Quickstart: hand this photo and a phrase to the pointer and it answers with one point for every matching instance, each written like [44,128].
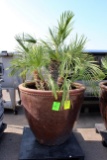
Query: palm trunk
[60,81]
[39,83]
[53,69]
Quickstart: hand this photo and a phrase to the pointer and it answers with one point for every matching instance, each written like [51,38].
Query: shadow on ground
[10,146]
[93,148]
[11,119]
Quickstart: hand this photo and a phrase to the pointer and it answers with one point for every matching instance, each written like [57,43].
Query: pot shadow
[10,146]
[12,119]
[88,120]
[18,108]
[90,107]
[92,149]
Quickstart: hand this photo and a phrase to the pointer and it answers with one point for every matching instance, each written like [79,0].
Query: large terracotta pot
[51,127]
[103,101]
[1,113]
[1,108]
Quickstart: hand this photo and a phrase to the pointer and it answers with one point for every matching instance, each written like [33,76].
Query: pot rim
[102,84]
[81,88]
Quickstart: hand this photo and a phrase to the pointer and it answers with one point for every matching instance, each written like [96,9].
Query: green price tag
[56,106]
[67,105]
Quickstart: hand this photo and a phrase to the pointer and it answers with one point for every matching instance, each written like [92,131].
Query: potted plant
[52,100]
[103,93]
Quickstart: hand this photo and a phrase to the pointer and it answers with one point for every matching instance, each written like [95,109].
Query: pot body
[51,127]
[1,113]
[1,108]
[103,101]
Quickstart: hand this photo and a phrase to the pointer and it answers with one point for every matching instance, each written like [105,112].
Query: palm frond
[104,64]
[64,25]
[53,87]
[30,39]
[65,88]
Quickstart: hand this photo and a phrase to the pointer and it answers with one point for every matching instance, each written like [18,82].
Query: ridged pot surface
[1,113]
[50,127]
[103,101]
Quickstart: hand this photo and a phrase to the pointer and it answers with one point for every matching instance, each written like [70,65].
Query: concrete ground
[89,140]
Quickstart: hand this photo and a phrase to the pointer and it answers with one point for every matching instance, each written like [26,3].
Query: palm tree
[68,62]
[31,59]
[63,63]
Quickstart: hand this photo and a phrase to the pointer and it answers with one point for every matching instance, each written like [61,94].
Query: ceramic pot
[1,113]
[103,101]
[51,126]
[1,108]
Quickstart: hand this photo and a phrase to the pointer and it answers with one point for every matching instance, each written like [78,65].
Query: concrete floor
[89,140]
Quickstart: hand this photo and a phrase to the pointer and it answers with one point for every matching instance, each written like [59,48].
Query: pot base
[31,149]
